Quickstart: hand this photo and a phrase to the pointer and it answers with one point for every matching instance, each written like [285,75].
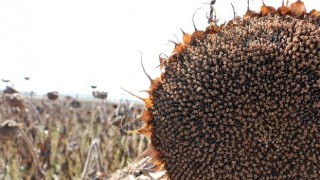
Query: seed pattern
[243,100]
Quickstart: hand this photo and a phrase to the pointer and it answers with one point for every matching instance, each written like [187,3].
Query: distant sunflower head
[100,94]
[53,95]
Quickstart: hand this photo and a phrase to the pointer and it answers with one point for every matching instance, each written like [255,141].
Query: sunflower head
[240,99]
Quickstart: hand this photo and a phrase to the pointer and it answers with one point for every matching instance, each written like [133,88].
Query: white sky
[69,45]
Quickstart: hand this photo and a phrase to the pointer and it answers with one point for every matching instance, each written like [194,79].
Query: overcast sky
[68,45]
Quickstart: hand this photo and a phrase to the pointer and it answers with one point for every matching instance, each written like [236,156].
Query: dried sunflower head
[53,95]
[100,94]
[241,100]
[10,90]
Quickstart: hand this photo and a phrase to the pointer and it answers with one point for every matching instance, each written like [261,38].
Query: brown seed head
[100,94]
[53,95]
[241,101]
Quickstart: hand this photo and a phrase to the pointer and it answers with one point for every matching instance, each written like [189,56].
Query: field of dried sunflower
[71,139]
[236,100]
